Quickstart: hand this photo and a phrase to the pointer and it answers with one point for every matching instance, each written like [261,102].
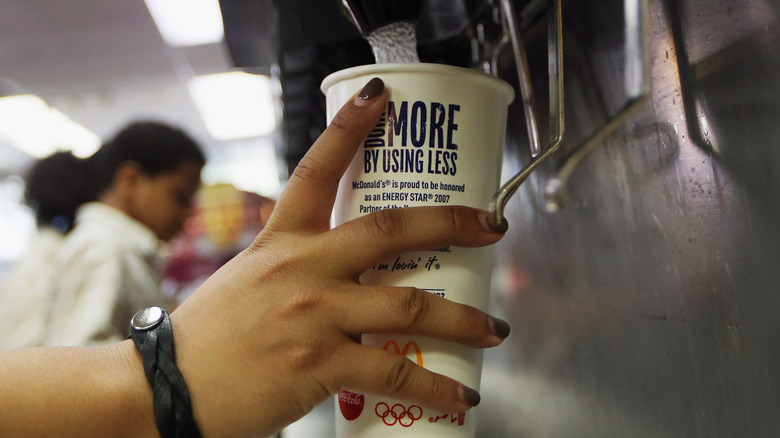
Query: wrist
[133,393]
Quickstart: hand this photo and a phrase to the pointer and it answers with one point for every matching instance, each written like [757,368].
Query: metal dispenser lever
[637,89]
[523,75]
[555,70]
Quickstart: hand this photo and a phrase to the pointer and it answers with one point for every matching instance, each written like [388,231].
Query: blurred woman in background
[141,187]
[145,180]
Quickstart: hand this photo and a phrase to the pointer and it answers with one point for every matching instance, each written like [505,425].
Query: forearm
[84,392]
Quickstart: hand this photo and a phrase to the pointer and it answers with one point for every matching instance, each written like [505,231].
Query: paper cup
[439,142]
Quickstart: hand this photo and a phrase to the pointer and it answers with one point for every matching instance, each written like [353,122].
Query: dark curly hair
[57,185]
[156,148]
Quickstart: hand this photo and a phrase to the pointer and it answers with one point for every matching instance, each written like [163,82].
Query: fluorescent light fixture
[187,22]
[234,105]
[32,126]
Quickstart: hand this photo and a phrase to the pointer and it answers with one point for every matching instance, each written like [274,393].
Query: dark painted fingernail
[470,396]
[499,228]
[500,327]
[371,90]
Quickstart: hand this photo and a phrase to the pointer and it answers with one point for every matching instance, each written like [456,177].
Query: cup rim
[417,68]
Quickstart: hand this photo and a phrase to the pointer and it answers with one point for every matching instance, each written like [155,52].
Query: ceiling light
[234,105]
[187,22]
[35,128]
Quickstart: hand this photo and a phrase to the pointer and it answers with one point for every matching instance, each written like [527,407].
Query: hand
[276,330]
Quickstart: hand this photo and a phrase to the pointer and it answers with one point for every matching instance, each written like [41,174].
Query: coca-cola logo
[351,404]
[398,414]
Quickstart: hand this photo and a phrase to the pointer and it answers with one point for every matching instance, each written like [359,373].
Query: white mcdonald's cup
[439,142]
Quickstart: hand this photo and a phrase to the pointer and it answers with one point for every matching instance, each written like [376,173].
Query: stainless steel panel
[649,306]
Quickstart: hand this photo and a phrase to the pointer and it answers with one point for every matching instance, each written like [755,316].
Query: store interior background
[100,65]
[645,306]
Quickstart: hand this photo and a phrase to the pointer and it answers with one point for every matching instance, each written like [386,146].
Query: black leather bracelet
[151,331]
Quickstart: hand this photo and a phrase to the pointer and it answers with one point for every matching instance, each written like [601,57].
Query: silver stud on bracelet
[147,319]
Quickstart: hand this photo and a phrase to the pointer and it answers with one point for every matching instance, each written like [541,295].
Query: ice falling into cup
[389,27]
[394,43]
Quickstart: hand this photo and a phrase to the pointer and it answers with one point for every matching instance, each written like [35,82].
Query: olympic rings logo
[398,414]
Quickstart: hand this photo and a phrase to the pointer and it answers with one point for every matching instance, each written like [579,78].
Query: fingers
[308,198]
[368,240]
[367,369]
[407,310]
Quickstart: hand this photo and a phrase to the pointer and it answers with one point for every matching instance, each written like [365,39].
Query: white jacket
[26,297]
[108,269]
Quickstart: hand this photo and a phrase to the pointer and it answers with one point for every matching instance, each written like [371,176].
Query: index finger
[307,201]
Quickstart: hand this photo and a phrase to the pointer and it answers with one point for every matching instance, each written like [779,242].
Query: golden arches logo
[397,349]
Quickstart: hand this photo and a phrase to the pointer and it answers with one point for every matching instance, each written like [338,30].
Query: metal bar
[637,89]
[523,77]
[555,69]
